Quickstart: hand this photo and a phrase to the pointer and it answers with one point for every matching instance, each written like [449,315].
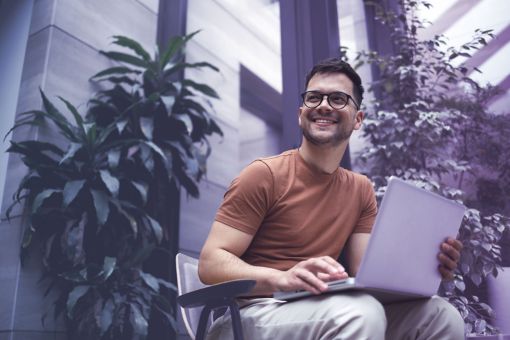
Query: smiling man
[285,219]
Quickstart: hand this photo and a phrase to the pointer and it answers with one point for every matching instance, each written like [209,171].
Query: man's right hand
[310,275]
[220,261]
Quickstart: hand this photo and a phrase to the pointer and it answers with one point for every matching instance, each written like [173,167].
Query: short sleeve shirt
[296,212]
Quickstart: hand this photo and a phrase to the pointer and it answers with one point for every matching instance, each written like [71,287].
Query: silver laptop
[400,262]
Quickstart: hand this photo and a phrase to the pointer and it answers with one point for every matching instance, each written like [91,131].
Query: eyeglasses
[337,99]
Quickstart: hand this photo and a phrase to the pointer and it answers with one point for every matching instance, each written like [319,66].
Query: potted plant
[91,197]
[428,125]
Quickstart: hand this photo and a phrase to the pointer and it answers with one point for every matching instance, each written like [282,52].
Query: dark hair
[336,65]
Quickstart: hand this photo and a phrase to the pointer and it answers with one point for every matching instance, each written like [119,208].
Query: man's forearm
[219,265]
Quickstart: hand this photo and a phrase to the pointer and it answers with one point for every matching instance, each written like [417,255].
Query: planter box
[499,299]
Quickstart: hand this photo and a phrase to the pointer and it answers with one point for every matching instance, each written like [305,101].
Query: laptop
[400,262]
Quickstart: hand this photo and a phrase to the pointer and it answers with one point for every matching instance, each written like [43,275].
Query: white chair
[197,300]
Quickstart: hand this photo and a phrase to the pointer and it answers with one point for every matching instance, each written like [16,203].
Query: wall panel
[61,55]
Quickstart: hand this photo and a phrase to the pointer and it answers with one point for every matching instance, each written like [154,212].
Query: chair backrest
[187,281]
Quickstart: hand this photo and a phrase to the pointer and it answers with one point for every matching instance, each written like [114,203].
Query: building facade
[263,49]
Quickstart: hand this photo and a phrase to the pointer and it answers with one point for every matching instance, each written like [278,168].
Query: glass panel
[353,35]
[257,139]
[261,20]
[457,20]
[235,33]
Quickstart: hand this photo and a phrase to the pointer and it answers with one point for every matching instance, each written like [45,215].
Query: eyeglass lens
[337,100]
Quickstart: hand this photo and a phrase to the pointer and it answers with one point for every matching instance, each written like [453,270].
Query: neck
[323,157]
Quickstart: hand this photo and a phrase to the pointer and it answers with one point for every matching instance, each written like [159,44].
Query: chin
[322,140]
[326,139]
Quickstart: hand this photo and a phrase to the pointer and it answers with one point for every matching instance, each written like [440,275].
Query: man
[286,219]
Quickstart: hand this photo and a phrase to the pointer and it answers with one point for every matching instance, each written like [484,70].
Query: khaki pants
[344,316]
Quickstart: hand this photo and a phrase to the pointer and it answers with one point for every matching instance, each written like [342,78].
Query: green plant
[428,125]
[150,99]
[149,102]
[92,232]
[94,198]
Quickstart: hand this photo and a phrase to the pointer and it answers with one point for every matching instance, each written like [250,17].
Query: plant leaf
[71,190]
[147,126]
[41,197]
[132,221]
[157,149]
[76,276]
[58,118]
[107,316]
[113,158]
[171,69]
[133,45]
[174,46]
[121,80]
[27,236]
[156,228]
[121,124]
[168,102]
[73,298]
[186,120]
[480,326]
[71,151]
[72,240]
[167,284]
[205,89]
[111,182]
[101,205]
[150,280]
[140,324]
[104,134]
[108,267]
[142,190]
[35,120]
[202,64]
[90,132]
[77,117]
[115,70]
[126,58]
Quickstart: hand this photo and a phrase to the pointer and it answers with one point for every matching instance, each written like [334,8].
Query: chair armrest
[217,293]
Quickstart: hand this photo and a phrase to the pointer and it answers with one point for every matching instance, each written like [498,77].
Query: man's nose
[324,105]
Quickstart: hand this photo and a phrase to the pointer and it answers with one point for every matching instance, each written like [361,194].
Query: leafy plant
[429,124]
[91,230]
[94,205]
[148,102]
[150,99]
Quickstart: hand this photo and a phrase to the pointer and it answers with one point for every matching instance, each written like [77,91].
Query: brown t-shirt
[295,211]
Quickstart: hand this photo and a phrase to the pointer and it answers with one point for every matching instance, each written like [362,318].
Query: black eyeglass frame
[329,103]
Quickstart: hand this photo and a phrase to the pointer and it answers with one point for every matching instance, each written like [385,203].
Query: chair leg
[237,326]
[202,323]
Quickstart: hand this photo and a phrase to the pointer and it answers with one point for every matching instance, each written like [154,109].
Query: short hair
[337,65]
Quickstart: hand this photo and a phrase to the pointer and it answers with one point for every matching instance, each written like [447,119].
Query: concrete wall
[61,55]
[227,41]
[62,41]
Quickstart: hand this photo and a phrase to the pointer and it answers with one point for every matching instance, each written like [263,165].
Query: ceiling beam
[448,18]
[504,86]
[480,56]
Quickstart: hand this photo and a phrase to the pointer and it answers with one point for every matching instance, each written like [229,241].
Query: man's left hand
[449,257]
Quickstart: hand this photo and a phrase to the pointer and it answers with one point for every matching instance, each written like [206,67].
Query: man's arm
[354,250]
[220,261]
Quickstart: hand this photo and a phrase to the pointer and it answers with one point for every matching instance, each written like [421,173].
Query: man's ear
[299,115]
[360,115]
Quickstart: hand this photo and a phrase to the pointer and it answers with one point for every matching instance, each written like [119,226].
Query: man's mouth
[324,120]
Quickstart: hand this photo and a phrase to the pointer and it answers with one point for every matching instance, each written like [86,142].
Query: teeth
[323,121]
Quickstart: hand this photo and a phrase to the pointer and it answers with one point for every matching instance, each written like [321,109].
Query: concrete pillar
[61,55]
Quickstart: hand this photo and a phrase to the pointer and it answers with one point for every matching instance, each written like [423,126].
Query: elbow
[204,273]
